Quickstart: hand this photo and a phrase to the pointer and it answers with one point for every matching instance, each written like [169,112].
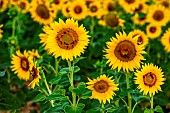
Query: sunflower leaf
[2,73]
[40,97]
[77,60]
[80,88]
[158,109]
[55,80]
[70,109]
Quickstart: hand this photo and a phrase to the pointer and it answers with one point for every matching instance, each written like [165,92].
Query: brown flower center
[158,15]
[56,2]
[110,7]
[1,3]
[143,18]
[42,11]
[77,9]
[149,79]
[93,8]
[101,86]
[130,1]
[24,63]
[140,39]
[125,51]
[67,38]
[166,4]
[139,8]
[112,20]
[34,72]
[22,5]
[152,29]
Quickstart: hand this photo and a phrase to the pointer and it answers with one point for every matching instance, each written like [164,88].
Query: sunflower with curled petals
[21,65]
[41,13]
[165,40]
[3,5]
[67,40]
[158,15]
[149,78]
[103,88]
[153,31]
[124,52]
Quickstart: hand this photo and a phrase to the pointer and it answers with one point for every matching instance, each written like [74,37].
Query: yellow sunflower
[113,20]
[95,8]
[124,52]
[67,39]
[23,6]
[142,39]
[149,79]
[108,5]
[143,7]
[66,9]
[153,31]
[78,10]
[165,3]
[101,18]
[165,40]
[3,5]
[158,15]
[34,54]
[129,5]
[40,12]
[102,88]
[13,2]
[58,4]
[1,31]
[139,20]
[35,76]
[21,65]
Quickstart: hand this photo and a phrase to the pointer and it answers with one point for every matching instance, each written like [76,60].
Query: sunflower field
[84,56]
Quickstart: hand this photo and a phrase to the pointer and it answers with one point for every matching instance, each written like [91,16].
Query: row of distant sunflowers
[132,23]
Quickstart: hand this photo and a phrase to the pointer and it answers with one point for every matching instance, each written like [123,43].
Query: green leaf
[40,97]
[87,93]
[76,69]
[2,73]
[71,109]
[56,95]
[55,80]
[77,60]
[80,88]
[92,111]
[147,110]
[158,109]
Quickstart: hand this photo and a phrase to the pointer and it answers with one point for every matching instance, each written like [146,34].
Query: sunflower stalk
[71,68]
[151,101]
[57,61]
[129,94]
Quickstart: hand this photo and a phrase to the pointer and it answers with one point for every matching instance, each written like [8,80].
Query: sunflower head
[124,52]
[149,78]
[153,31]
[102,88]
[165,40]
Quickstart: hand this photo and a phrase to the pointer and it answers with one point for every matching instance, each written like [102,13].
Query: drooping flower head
[124,52]
[165,40]
[67,39]
[103,88]
[149,78]
[21,65]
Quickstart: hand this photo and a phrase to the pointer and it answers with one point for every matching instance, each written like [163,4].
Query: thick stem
[129,94]
[151,101]
[102,107]
[57,61]
[71,68]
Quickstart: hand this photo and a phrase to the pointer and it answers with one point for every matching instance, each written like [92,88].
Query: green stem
[135,106]
[151,101]
[48,89]
[129,94]
[166,57]
[102,107]
[13,26]
[57,61]
[71,68]
[9,76]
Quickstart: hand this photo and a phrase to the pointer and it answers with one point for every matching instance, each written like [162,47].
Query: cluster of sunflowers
[64,39]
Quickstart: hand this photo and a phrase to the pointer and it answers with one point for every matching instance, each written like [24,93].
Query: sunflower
[113,21]
[165,3]
[149,79]
[35,76]
[3,5]
[78,10]
[102,88]
[13,2]
[40,12]
[101,18]
[165,40]
[23,6]
[129,5]
[1,25]
[58,4]
[95,8]
[139,20]
[34,54]
[141,8]
[142,39]
[109,5]
[67,39]
[66,9]
[124,52]
[158,15]
[21,65]
[153,31]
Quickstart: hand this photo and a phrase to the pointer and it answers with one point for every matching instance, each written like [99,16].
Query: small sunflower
[143,7]
[95,8]
[153,31]
[158,15]
[35,76]
[21,65]
[58,4]
[13,2]
[67,39]
[149,79]
[66,9]
[78,10]
[109,5]
[1,31]
[165,40]
[102,88]
[23,6]
[40,12]
[142,39]
[34,54]
[124,52]
[3,5]
[129,5]
[139,20]
[165,3]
